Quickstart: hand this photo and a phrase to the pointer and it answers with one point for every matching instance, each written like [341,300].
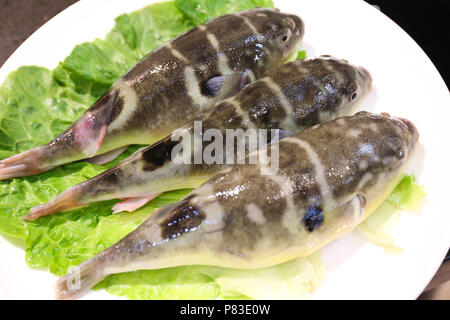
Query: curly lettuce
[378,227]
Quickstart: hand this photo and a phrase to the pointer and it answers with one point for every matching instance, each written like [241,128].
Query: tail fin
[82,140]
[79,280]
[23,164]
[68,200]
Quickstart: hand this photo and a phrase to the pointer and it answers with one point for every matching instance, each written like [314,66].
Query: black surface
[428,23]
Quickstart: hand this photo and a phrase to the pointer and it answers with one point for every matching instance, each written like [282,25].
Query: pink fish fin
[91,129]
[132,204]
[107,157]
[87,137]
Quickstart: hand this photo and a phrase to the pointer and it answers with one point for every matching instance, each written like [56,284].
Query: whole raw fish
[330,178]
[169,87]
[292,97]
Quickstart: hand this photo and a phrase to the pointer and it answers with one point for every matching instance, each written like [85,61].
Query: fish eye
[353,97]
[285,36]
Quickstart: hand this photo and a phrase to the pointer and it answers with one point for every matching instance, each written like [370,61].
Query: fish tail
[80,279]
[98,188]
[24,164]
[68,200]
[81,141]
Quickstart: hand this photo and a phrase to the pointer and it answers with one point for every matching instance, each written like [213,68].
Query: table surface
[20,18]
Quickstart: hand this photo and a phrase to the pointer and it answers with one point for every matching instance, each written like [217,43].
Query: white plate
[406,84]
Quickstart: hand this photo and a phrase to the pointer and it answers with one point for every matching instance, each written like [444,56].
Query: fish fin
[91,129]
[106,157]
[132,204]
[23,164]
[87,138]
[79,280]
[355,206]
[67,200]
[227,85]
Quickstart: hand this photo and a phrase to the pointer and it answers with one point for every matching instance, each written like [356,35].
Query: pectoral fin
[91,129]
[132,204]
[227,85]
[107,157]
[356,205]
[87,137]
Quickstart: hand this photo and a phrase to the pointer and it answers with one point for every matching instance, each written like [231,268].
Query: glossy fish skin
[170,86]
[292,97]
[330,178]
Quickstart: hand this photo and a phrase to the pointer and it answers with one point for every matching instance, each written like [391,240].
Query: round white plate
[405,84]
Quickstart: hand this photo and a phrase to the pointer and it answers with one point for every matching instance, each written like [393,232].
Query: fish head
[364,162]
[325,86]
[406,131]
[283,34]
[410,132]
[278,37]
[384,146]
[394,139]
[350,82]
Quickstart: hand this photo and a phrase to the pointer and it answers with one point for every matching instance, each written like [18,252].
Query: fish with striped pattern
[330,178]
[292,97]
[170,86]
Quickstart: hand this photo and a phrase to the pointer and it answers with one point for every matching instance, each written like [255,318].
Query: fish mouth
[291,23]
[412,129]
[408,127]
[366,77]
[297,26]
[296,22]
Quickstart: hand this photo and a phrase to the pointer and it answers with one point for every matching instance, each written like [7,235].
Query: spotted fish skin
[170,86]
[330,178]
[292,98]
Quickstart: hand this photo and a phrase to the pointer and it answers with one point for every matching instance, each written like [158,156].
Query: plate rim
[6,68]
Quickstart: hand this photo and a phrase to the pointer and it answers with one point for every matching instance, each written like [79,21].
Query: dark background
[20,18]
[426,21]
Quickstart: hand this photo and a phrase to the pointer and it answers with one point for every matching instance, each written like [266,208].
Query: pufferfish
[170,86]
[290,98]
[330,178]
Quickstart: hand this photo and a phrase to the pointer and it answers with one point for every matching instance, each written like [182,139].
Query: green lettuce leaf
[290,280]
[301,55]
[200,11]
[378,227]
[36,104]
